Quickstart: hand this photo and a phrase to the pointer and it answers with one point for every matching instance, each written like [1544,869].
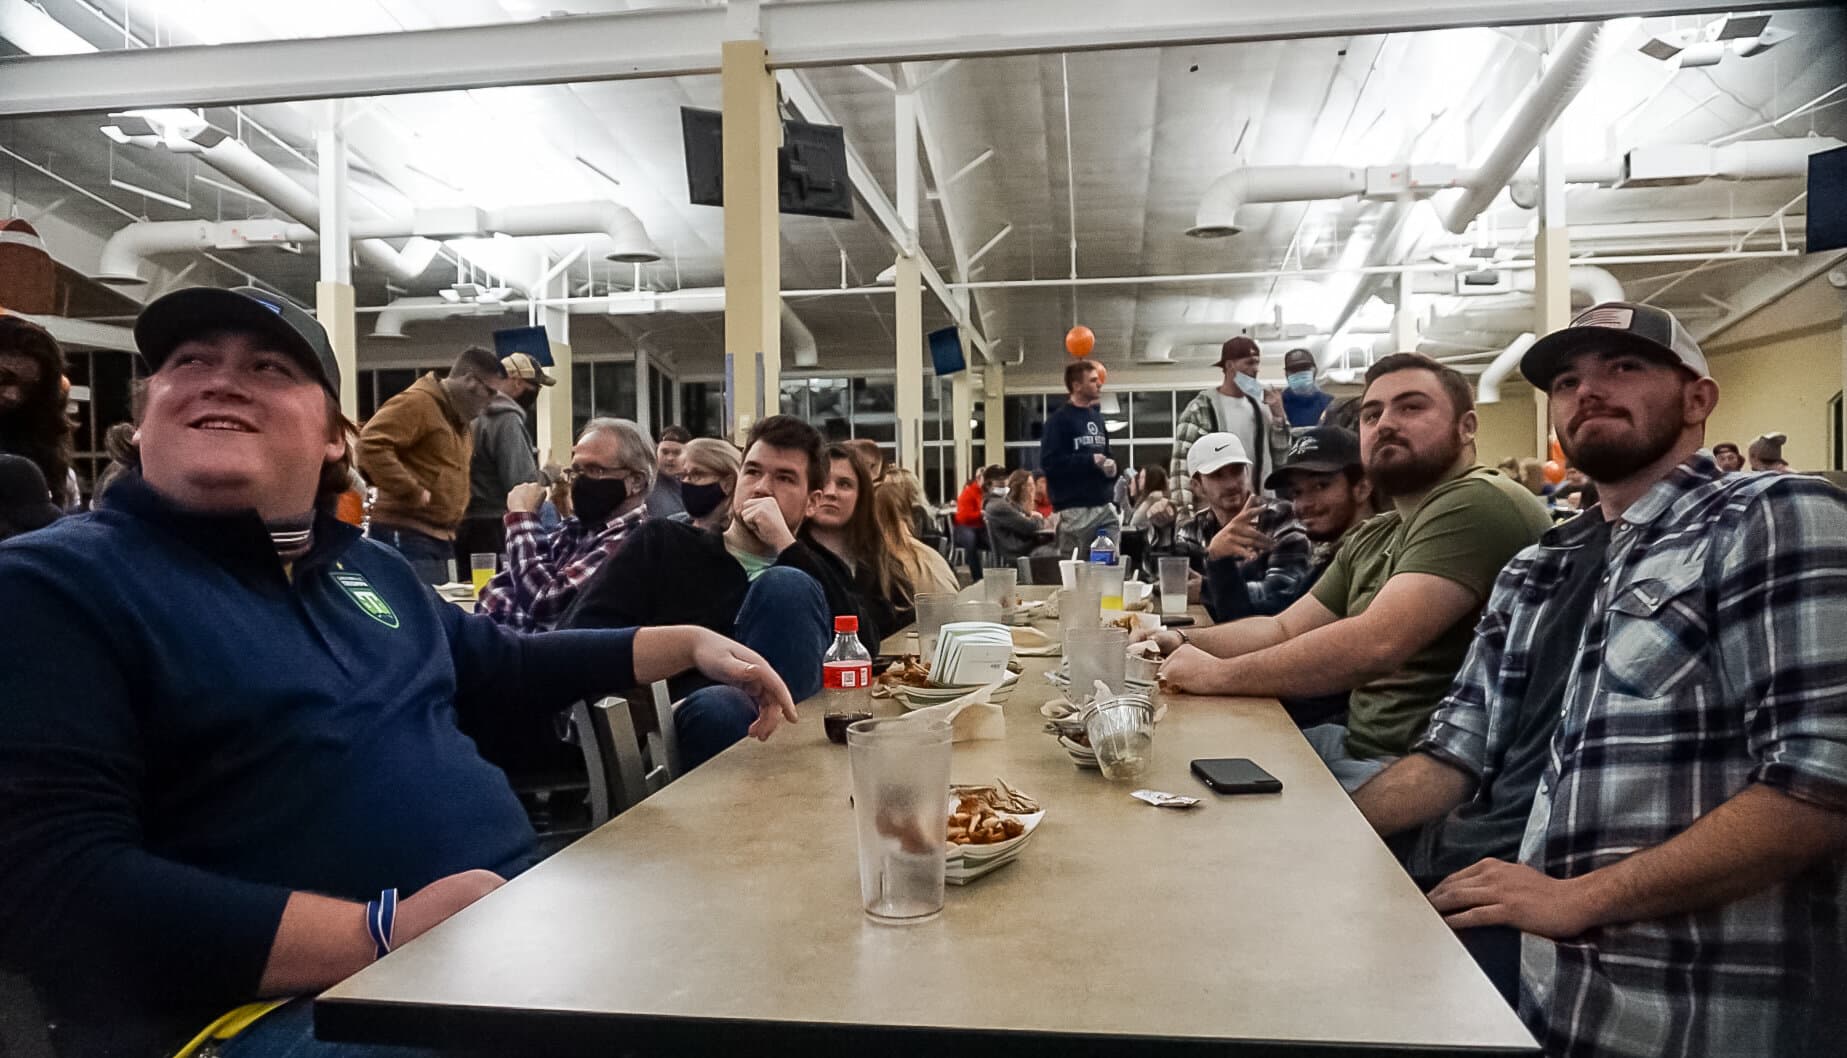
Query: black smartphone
[1235,775]
[1176,620]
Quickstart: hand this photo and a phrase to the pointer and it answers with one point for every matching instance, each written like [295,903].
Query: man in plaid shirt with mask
[1681,881]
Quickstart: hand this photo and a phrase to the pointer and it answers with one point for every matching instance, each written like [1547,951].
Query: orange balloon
[1555,452]
[1079,341]
[1102,373]
[1555,471]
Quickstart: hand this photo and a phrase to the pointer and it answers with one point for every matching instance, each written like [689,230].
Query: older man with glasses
[611,474]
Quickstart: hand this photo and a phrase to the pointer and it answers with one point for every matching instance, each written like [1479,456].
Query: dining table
[722,915]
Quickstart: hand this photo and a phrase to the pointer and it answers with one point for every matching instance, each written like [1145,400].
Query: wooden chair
[621,774]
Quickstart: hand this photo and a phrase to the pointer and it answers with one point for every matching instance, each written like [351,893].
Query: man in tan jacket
[416,450]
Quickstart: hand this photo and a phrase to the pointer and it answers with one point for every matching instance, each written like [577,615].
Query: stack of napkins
[971,653]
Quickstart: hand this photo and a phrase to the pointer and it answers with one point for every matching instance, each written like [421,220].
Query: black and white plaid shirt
[1715,657]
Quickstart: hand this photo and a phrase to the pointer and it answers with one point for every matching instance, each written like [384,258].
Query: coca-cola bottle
[846,679]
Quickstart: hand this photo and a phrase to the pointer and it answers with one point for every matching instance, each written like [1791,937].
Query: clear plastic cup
[1076,609]
[1121,730]
[481,569]
[971,610]
[1096,654]
[1109,585]
[933,612]
[1173,573]
[1002,586]
[900,769]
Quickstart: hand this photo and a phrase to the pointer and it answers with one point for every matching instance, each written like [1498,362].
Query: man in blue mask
[1240,406]
[1303,401]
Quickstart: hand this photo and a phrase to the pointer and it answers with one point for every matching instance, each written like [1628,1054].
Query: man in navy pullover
[1075,455]
[227,721]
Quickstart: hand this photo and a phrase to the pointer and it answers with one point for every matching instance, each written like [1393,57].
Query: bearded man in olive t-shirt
[1392,617]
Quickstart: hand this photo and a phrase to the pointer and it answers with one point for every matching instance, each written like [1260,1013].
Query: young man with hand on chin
[1642,767]
[232,721]
[756,583]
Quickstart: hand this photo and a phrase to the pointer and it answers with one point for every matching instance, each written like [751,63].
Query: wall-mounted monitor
[811,165]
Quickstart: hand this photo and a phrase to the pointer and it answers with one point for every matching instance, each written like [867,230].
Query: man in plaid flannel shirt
[1682,865]
[611,473]
[1253,555]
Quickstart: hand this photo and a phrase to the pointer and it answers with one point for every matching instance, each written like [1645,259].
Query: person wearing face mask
[1303,400]
[503,458]
[1239,406]
[611,471]
[707,483]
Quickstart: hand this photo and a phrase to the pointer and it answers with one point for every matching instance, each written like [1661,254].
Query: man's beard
[1417,473]
[1610,460]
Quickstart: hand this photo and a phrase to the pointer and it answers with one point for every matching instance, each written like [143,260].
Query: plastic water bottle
[1103,549]
[846,678]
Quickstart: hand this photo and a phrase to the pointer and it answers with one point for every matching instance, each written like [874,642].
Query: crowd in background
[1585,703]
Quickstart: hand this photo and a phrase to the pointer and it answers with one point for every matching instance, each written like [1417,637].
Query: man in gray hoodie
[503,459]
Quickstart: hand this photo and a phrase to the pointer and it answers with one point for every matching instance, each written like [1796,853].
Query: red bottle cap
[846,624]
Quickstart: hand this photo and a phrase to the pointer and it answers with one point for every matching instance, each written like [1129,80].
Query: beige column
[995,420]
[1404,320]
[908,327]
[753,234]
[961,414]
[333,294]
[1552,274]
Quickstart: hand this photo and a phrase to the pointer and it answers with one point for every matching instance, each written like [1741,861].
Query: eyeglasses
[573,472]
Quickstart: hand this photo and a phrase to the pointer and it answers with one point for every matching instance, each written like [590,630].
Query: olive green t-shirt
[1464,531]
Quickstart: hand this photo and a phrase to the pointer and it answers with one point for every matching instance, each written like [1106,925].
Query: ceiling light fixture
[1740,35]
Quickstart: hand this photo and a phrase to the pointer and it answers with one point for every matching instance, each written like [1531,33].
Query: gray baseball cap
[1644,329]
[168,321]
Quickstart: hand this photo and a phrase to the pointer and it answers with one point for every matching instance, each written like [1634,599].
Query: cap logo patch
[1305,446]
[1611,316]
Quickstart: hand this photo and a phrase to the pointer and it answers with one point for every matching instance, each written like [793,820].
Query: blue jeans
[785,619]
[426,554]
[1329,741]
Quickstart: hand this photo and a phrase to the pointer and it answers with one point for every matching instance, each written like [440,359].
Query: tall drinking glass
[933,610]
[1077,608]
[973,610]
[900,769]
[1096,654]
[1173,573]
[1002,586]
[1109,579]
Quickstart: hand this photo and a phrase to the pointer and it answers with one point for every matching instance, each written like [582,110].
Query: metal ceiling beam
[1766,290]
[801,97]
[686,41]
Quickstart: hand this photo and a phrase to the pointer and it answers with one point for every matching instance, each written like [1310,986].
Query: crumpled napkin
[972,717]
[1032,643]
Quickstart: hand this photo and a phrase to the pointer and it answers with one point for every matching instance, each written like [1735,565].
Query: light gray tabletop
[726,908]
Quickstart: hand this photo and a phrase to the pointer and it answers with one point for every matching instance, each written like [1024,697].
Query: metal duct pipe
[796,337]
[1218,211]
[1489,389]
[123,252]
[1535,112]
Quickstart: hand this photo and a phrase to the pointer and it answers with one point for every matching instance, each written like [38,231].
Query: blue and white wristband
[381,916]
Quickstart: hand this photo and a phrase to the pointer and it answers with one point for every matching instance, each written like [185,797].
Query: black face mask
[701,500]
[595,499]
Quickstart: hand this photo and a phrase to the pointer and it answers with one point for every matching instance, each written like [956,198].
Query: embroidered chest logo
[367,598]
[1091,427]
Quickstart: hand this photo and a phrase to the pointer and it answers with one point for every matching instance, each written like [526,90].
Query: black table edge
[498,1030]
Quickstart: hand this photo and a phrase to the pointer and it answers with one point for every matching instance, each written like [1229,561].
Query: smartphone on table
[1235,775]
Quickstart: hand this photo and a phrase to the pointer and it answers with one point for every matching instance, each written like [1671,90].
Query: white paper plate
[968,862]
[924,697]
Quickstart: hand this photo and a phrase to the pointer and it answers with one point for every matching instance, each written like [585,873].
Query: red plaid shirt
[545,571]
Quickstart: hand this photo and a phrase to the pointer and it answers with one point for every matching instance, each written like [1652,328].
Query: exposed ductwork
[1488,390]
[123,253]
[1483,320]
[1567,69]
[1218,211]
[797,340]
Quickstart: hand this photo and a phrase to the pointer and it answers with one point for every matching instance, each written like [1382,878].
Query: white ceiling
[1151,129]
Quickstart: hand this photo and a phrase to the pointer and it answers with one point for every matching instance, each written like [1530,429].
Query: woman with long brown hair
[841,527]
[893,500]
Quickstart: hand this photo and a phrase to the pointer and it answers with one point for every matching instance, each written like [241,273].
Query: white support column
[679,402]
[1552,273]
[556,423]
[644,392]
[908,290]
[333,295]
[961,414]
[994,377]
[1404,320]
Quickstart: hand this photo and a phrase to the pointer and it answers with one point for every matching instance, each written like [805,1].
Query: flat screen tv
[811,165]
